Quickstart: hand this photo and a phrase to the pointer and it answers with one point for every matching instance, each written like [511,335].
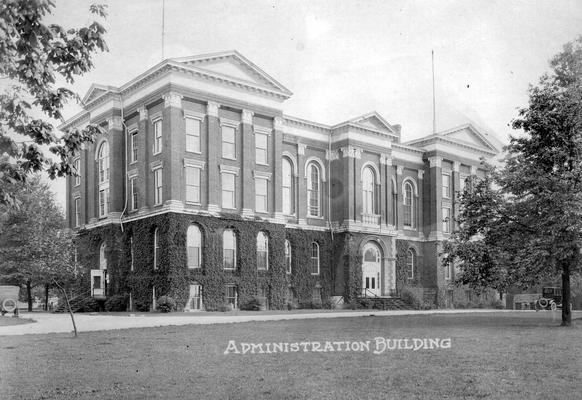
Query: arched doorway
[371,270]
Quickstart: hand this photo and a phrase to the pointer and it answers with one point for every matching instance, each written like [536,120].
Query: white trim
[293,160]
[320,165]
[414,185]
[157,164]
[188,162]
[374,168]
[229,122]
[228,169]
[262,175]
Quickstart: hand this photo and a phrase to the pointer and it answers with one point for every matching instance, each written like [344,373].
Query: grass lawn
[510,355]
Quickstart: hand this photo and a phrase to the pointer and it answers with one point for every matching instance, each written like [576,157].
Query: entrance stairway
[370,300]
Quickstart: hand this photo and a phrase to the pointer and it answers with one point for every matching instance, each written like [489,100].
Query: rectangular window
[446,220]
[193,135]
[231,295]
[448,271]
[261,195]
[133,156]
[77,165]
[103,203]
[77,212]
[158,136]
[261,155]
[228,194]
[446,186]
[158,186]
[228,146]
[133,194]
[192,184]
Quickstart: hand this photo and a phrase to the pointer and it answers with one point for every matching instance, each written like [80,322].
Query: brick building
[201,188]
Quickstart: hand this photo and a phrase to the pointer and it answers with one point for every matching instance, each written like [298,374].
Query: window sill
[195,268]
[193,203]
[194,152]
[314,217]
[314,274]
[263,164]
[229,158]
[155,154]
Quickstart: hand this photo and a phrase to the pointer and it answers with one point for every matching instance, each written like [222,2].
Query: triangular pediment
[233,65]
[374,121]
[467,134]
[94,92]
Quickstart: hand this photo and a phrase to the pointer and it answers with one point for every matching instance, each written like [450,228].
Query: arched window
[411,264]
[103,159]
[313,190]
[288,256]
[314,262]
[229,249]
[102,257]
[156,248]
[408,205]
[371,253]
[262,251]
[369,191]
[288,187]
[194,246]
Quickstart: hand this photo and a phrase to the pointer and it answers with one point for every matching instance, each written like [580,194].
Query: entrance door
[195,298]
[371,279]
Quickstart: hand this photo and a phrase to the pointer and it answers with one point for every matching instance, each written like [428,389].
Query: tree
[35,247]
[32,56]
[522,224]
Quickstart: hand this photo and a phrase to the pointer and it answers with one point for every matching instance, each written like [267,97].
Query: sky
[346,58]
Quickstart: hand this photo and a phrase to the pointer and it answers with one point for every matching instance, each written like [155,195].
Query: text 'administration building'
[201,188]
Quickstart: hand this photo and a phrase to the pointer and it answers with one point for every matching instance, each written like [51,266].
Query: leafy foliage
[522,224]
[166,304]
[33,56]
[35,247]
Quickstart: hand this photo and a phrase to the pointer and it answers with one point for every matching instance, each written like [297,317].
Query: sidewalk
[61,323]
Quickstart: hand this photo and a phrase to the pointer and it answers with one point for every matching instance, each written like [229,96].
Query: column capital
[331,155]
[456,166]
[351,151]
[473,170]
[278,123]
[399,170]
[435,162]
[420,174]
[173,99]
[212,108]
[385,159]
[301,148]
[115,123]
[247,117]
[143,113]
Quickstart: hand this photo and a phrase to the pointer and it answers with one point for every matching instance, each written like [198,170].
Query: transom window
[288,259]
[262,251]
[261,154]
[371,254]
[314,261]
[194,246]
[229,249]
[313,188]
[228,144]
[193,135]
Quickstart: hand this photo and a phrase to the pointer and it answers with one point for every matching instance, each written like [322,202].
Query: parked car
[9,299]
[551,299]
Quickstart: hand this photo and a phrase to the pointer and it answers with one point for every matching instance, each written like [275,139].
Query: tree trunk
[566,296]
[46,296]
[29,294]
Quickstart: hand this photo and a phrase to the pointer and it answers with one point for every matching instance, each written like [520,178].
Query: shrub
[142,306]
[166,304]
[497,304]
[327,304]
[253,304]
[89,305]
[367,303]
[351,306]
[116,303]
[412,299]
[291,306]
[459,305]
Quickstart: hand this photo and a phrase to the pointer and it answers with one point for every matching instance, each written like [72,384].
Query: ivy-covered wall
[172,277]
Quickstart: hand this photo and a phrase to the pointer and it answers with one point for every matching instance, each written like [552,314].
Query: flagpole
[163,25]
[433,96]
